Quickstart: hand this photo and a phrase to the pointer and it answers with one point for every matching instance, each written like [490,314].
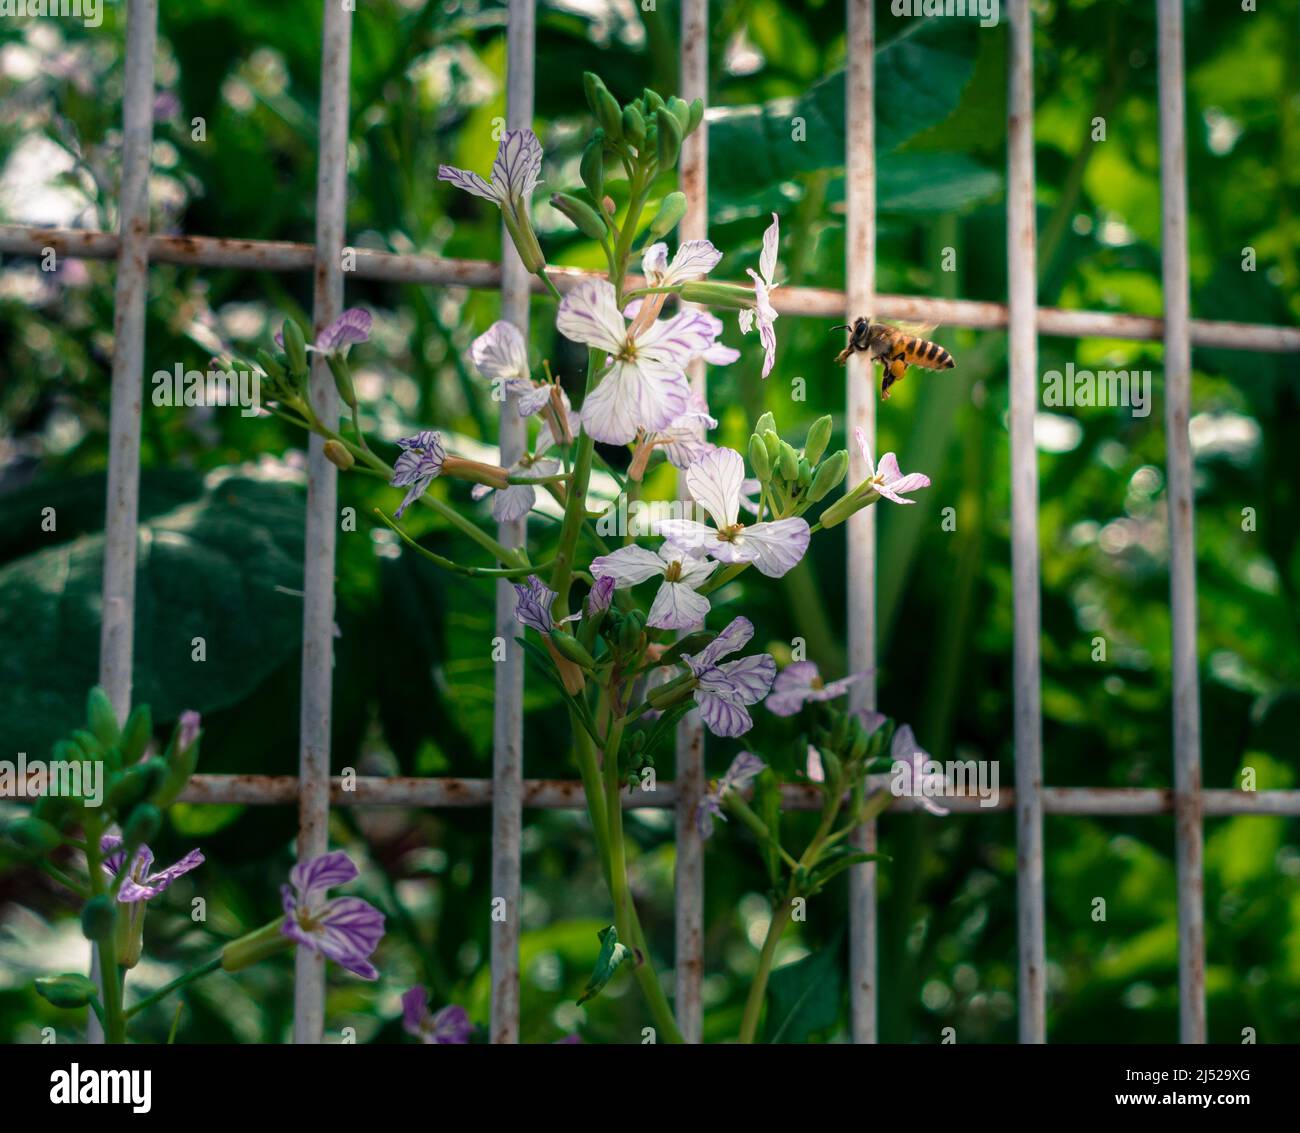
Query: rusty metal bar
[810,302]
[322,503]
[566,794]
[117,627]
[1181,499]
[688,952]
[508,702]
[860,411]
[1022,276]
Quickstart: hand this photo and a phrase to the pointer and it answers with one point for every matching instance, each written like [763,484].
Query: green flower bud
[342,379]
[696,115]
[631,631]
[652,101]
[840,731]
[98,917]
[570,647]
[71,989]
[582,215]
[295,348]
[89,744]
[101,717]
[671,210]
[136,734]
[773,443]
[829,476]
[256,946]
[634,125]
[338,455]
[670,138]
[270,365]
[34,835]
[603,105]
[764,423]
[789,461]
[833,767]
[143,824]
[819,436]
[593,169]
[680,109]
[758,458]
[805,473]
[181,762]
[136,784]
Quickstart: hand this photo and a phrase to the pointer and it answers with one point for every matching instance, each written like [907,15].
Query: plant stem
[180,981]
[758,988]
[109,972]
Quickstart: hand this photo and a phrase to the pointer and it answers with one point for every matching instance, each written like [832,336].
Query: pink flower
[447,1027]
[352,326]
[717,481]
[140,884]
[727,688]
[888,481]
[645,385]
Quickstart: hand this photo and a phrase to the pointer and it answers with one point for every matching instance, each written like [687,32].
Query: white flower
[716,481]
[683,442]
[910,760]
[645,386]
[763,313]
[888,481]
[516,500]
[676,606]
[515,174]
[694,260]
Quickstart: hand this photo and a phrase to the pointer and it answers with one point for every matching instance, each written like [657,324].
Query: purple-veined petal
[589,314]
[628,565]
[721,716]
[413,493]
[677,606]
[693,537]
[470,182]
[674,342]
[518,164]
[415,1008]
[449,1027]
[714,482]
[500,353]
[694,260]
[774,548]
[746,680]
[534,399]
[513,502]
[600,596]
[322,872]
[832,689]
[154,883]
[860,435]
[347,931]
[735,636]
[744,767]
[533,606]
[709,808]
[654,266]
[632,397]
[421,458]
[351,327]
[792,687]
[720,355]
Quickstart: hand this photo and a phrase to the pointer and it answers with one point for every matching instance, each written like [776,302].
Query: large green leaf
[920,80]
[804,997]
[226,567]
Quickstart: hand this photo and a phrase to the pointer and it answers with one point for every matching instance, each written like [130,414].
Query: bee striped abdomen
[928,355]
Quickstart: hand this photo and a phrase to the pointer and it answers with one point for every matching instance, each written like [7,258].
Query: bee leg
[843,355]
[894,371]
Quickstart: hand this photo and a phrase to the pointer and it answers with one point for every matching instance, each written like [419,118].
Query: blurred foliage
[221,496]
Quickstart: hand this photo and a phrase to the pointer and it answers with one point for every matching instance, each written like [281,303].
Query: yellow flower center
[673,573]
[730,534]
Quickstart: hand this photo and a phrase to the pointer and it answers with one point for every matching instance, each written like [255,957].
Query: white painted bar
[1022,277]
[315,712]
[860,276]
[1181,496]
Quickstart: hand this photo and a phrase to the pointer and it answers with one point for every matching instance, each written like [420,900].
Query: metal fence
[314,791]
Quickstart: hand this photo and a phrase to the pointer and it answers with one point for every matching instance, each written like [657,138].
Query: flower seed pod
[819,436]
[69,990]
[571,648]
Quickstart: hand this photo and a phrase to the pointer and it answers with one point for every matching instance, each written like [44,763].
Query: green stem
[180,981]
[109,972]
[64,879]
[457,568]
[758,988]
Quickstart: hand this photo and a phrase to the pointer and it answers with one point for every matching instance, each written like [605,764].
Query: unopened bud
[337,454]
[830,473]
[670,212]
[819,436]
[758,460]
[585,218]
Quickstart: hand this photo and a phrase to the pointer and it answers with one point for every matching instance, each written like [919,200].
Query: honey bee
[895,347]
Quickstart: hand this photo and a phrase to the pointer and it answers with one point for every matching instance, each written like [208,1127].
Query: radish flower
[346,930]
[448,1027]
[418,466]
[515,174]
[727,688]
[352,326]
[763,314]
[717,482]
[516,500]
[694,260]
[909,765]
[140,884]
[888,480]
[743,768]
[797,684]
[645,386]
[676,605]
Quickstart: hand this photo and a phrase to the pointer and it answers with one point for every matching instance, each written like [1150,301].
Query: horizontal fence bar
[818,302]
[566,794]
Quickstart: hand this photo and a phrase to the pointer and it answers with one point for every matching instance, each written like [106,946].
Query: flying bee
[895,347]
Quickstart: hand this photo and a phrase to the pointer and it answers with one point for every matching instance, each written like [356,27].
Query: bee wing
[916,330]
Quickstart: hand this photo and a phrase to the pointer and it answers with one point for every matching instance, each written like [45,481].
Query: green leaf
[755,147]
[71,989]
[804,997]
[226,567]
[612,954]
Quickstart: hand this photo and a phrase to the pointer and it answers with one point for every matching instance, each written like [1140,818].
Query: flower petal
[674,342]
[513,502]
[500,352]
[735,636]
[767,258]
[721,716]
[714,481]
[694,260]
[470,182]
[628,565]
[518,164]
[654,265]
[632,397]
[352,326]
[415,1008]
[677,606]
[745,680]
[589,314]
[695,538]
[322,872]
[792,688]
[775,548]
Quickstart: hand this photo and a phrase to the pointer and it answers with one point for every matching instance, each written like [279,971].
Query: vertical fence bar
[117,628]
[322,502]
[1022,274]
[508,706]
[860,288]
[1189,831]
[688,961]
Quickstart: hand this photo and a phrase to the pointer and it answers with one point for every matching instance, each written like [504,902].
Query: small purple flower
[694,260]
[515,174]
[797,684]
[447,1027]
[352,326]
[165,106]
[418,465]
[190,723]
[516,500]
[346,930]
[600,596]
[888,480]
[743,768]
[533,606]
[139,884]
[727,688]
